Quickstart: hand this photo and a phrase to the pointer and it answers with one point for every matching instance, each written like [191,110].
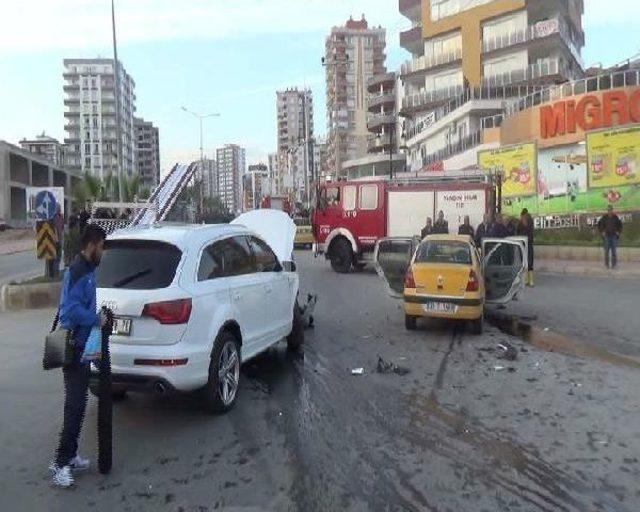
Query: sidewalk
[588,268]
[13,246]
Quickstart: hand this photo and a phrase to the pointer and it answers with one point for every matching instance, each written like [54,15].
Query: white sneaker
[62,477]
[79,464]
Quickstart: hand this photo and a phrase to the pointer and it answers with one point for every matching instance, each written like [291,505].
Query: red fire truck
[350,216]
[282,203]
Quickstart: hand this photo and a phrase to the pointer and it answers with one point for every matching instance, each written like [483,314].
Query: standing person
[525,228]
[83,218]
[441,226]
[610,227]
[58,225]
[484,229]
[499,228]
[78,314]
[428,229]
[466,228]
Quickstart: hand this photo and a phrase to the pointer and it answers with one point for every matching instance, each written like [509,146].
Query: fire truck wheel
[341,256]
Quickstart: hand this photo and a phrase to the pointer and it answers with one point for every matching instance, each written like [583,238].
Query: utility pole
[116,73]
[200,118]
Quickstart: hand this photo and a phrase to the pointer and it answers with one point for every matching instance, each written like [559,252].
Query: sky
[213,56]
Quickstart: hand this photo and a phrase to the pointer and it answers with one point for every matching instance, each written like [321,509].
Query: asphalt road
[18,266]
[555,430]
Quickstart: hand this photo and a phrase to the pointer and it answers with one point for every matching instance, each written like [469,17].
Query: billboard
[518,165]
[613,157]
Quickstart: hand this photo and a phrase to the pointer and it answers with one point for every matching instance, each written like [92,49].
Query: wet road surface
[554,430]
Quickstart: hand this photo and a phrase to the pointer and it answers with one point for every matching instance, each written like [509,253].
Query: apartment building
[46,147]
[256,185]
[147,152]
[354,53]
[231,167]
[320,170]
[473,58]
[90,100]
[383,116]
[207,174]
[273,174]
[295,136]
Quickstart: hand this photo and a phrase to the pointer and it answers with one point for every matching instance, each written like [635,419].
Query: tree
[215,211]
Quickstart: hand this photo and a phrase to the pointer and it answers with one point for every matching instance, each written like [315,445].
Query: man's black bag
[58,347]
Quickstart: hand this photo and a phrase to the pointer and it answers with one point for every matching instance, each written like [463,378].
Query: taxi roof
[450,238]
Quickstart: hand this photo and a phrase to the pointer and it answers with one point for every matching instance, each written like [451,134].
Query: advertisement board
[518,165]
[613,157]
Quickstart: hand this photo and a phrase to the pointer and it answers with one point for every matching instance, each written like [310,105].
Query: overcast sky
[212,56]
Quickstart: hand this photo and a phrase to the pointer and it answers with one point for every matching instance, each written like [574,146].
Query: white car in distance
[193,302]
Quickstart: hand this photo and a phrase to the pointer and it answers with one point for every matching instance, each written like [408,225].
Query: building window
[87,148]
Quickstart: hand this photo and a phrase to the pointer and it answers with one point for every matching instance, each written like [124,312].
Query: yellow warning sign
[46,241]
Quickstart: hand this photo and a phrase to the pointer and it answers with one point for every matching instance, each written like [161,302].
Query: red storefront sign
[591,112]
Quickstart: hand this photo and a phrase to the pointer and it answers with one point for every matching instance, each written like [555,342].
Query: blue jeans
[611,245]
[76,384]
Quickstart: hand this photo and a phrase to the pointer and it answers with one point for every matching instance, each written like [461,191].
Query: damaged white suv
[193,302]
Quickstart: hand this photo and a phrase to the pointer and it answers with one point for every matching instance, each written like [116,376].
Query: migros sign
[590,112]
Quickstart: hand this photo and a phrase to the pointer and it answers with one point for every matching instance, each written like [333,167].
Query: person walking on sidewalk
[610,227]
[78,314]
[525,228]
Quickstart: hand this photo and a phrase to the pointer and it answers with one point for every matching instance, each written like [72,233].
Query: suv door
[277,317]
[392,257]
[505,264]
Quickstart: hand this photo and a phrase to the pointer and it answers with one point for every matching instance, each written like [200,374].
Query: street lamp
[200,118]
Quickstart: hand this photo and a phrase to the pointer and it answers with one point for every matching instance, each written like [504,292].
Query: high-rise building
[295,135]
[47,147]
[255,186]
[231,167]
[320,160]
[353,54]
[207,173]
[471,60]
[147,147]
[90,117]
[383,116]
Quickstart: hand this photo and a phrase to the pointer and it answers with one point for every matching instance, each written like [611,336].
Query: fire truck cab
[351,216]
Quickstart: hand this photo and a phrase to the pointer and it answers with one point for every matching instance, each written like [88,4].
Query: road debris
[385,367]
[357,371]
[307,310]
[507,351]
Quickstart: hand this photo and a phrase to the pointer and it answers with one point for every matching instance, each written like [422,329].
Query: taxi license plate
[440,307]
[121,326]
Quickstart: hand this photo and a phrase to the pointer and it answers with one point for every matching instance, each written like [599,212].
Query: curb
[17,297]
[570,270]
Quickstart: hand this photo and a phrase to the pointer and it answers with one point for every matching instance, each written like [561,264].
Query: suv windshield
[137,264]
[444,251]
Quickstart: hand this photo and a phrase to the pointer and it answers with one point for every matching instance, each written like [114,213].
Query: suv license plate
[440,307]
[121,326]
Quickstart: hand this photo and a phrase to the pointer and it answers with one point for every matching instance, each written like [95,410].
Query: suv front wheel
[221,390]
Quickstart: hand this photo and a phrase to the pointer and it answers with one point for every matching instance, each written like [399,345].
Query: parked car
[446,276]
[193,302]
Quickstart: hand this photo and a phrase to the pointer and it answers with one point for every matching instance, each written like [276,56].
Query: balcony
[387,99]
[411,9]
[429,62]
[72,101]
[537,32]
[386,79]
[425,100]
[462,145]
[549,70]
[376,121]
[411,40]
[379,143]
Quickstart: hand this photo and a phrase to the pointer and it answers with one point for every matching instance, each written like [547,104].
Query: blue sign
[45,205]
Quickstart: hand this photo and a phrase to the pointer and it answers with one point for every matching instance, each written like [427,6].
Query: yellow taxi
[304,233]
[447,276]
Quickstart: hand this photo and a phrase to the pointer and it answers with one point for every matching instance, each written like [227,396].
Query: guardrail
[541,69]
[424,63]
[468,142]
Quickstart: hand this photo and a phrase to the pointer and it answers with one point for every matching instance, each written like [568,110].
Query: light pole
[200,118]
[116,75]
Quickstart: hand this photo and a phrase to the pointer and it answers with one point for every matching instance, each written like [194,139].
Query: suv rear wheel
[221,390]
[341,256]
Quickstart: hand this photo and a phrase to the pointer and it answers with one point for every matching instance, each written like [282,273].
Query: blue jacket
[78,301]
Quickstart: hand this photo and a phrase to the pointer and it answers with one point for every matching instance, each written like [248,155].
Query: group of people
[499,226]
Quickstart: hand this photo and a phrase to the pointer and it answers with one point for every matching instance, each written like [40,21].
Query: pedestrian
[466,228]
[427,229]
[499,228]
[78,314]
[83,218]
[484,229]
[58,226]
[73,220]
[610,227]
[441,226]
[525,228]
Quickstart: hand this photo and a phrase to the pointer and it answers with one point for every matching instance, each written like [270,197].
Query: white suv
[193,302]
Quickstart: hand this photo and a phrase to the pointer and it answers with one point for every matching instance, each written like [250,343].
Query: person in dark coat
[610,227]
[441,226]
[427,229]
[525,228]
[483,230]
[466,228]
[499,228]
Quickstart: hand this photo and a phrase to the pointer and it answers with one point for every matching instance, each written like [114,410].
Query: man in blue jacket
[78,313]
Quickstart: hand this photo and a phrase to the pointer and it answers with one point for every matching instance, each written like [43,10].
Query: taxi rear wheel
[410,322]
[477,326]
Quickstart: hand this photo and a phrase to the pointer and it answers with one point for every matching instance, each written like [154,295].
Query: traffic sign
[45,205]
[46,241]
